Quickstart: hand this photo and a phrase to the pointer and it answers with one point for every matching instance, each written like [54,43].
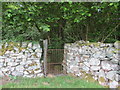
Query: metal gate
[54,61]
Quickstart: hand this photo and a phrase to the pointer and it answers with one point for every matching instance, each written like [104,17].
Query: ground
[49,82]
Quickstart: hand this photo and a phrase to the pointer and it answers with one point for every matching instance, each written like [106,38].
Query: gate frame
[45,66]
[45,45]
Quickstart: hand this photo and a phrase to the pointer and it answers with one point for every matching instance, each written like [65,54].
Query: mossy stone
[102,79]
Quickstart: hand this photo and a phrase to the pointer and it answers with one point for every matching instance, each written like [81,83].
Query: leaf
[29,19]
[89,14]
[111,4]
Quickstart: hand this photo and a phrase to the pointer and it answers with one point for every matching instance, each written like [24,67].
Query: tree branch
[110,33]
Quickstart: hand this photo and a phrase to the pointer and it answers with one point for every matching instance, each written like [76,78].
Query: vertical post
[45,45]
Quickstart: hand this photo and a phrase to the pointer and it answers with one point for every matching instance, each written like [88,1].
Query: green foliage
[60,21]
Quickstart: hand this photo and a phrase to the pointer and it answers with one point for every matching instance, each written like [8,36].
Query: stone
[17,60]
[78,74]
[97,54]
[17,73]
[94,73]
[40,75]
[109,44]
[22,56]
[33,67]
[95,68]
[22,63]
[28,62]
[101,73]
[113,84]
[12,69]
[2,60]
[9,60]
[74,68]
[85,56]
[24,44]
[94,61]
[11,52]
[15,55]
[77,59]
[29,76]
[3,57]
[86,63]
[26,66]
[1,74]
[102,81]
[12,64]
[106,59]
[95,77]
[0,46]
[117,44]
[7,52]
[39,55]
[1,65]
[118,72]
[37,71]
[25,72]
[85,68]
[80,51]
[30,45]
[75,63]
[20,68]
[115,67]
[16,49]
[115,61]
[117,56]
[5,64]
[37,60]
[5,69]
[111,75]
[109,54]
[106,65]
[70,57]
[117,77]
[38,50]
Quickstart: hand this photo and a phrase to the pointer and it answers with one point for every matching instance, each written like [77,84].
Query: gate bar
[45,44]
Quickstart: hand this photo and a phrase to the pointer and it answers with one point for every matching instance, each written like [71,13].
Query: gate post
[45,45]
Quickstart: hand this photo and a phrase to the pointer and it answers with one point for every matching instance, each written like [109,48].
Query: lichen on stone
[102,79]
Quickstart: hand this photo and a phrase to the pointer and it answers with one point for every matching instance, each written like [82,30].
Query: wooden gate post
[45,45]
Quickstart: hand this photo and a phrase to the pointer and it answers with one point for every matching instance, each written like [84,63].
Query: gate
[54,61]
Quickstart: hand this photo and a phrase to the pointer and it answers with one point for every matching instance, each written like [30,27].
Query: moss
[116,50]
[27,71]
[88,44]
[10,47]
[117,42]
[14,51]
[3,46]
[71,74]
[2,52]
[90,78]
[32,64]
[32,72]
[35,55]
[101,79]
[21,48]
[37,69]
[87,76]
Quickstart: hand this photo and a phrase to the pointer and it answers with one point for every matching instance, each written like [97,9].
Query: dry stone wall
[20,59]
[94,61]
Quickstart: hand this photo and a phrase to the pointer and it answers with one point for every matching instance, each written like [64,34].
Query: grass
[55,82]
